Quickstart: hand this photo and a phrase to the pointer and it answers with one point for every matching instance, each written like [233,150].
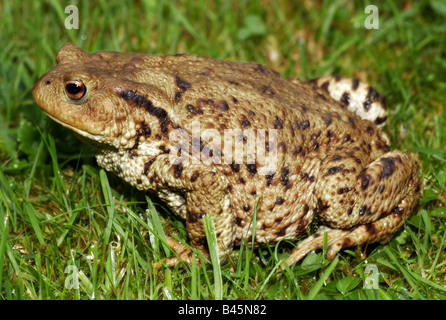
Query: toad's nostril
[48,82]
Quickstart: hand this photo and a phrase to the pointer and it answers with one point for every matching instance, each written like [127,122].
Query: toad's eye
[75,89]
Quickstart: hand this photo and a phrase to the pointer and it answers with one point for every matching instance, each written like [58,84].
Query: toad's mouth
[94,140]
[85,134]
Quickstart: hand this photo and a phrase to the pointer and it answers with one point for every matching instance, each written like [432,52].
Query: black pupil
[73,88]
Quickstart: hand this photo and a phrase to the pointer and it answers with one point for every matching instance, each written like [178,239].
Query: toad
[237,139]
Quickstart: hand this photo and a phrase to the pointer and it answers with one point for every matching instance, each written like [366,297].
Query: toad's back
[324,156]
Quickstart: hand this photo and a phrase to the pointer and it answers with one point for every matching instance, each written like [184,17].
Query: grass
[60,213]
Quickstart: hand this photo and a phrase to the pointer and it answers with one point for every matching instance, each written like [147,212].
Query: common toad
[220,137]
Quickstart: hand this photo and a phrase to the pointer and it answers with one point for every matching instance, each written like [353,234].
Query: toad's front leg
[206,191]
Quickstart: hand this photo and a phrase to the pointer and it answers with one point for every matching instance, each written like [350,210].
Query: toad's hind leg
[379,200]
[337,239]
[355,95]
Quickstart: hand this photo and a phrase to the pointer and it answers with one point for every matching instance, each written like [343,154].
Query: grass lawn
[64,219]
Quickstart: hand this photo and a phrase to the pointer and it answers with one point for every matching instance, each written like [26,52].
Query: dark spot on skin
[190,108]
[370,130]
[343,190]
[365,180]
[235,83]
[345,99]
[304,125]
[351,120]
[381,189]
[370,228]
[278,123]
[269,178]
[281,147]
[347,242]
[349,211]
[321,206]
[267,90]
[222,105]
[315,144]
[147,166]
[202,242]
[238,221]
[297,150]
[321,96]
[252,168]
[281,232]
[347,137]
[178,95]
[418,188]
[193,217]
[324,86]
[182,84]
[280,200]
[380,120]
[251,113]
[355,84]
[154,178]
[233,100]
[364,210]
[146,131]
[245,123]
[380,144]
[47,82]
[313,81]
[306,209]
[284,178]
[267,146]
[388,167]
[163,149]
[336,157]
[235,166]
[372,96]
[337,78]
[177,170]
[142,102]
[334,170]
[241,180]
[246,207]
[138,181]
[260,68]
[398,211]
[327,121]
[195,176]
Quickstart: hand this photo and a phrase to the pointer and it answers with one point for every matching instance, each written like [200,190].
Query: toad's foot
[182,254]
[337,239]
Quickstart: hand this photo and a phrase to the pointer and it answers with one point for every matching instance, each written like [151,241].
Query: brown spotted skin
[333,165]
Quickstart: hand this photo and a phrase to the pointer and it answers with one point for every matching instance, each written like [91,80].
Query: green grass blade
[32,214]
[158,228]
[319,284]
[209,228]
[109,202]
